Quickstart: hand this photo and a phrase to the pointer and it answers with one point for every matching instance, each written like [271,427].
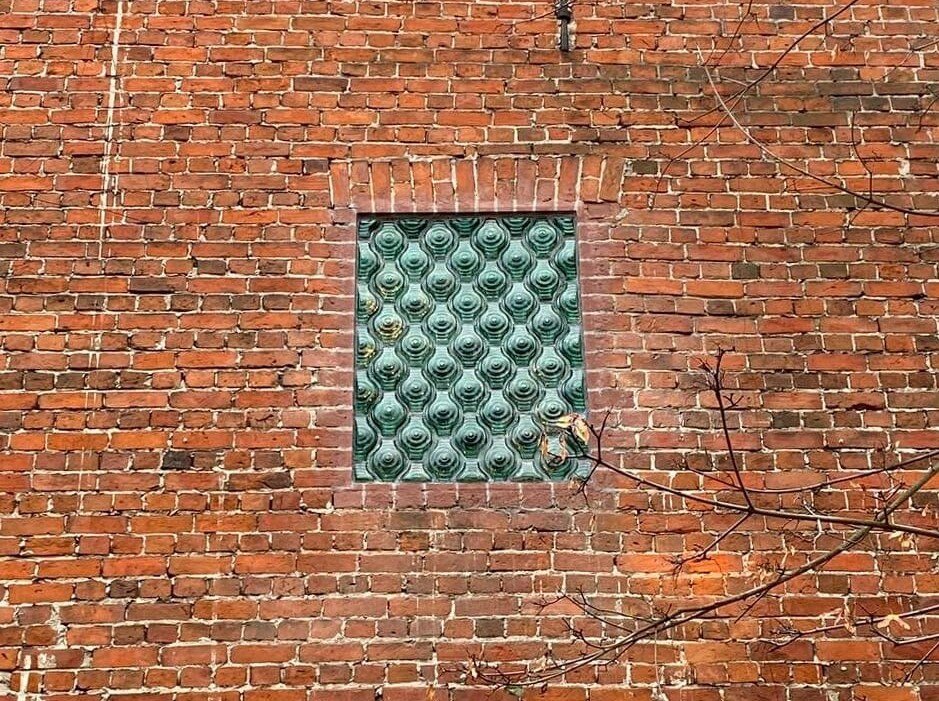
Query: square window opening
[469,344]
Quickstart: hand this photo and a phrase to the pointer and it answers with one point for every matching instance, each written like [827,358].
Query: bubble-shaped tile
[569,305]
[493,326]
[565,225]
[465,262]
[465,226]
[497,414]
[550,409]
[519,304]
[387,370]
[367,263]
[525,437]
[439,240]
[574,392]
[572,348]
[521,347]
[492,283]
[367,392]
[555,467]
[547,326]
[491,239]
[415,392]
[442,415]
[442,369]
[388,326]
[388,283]
[517,225]
[499,462]
[415,348]
[471,439]
[468,348]
[367,304]
[387,463]
[365,348]
[469,392]
[415,304]
[415,440]
[550,368]
[444,462]
[414,262]
[365,439]
[543,281]
[566,261]
[496,369]
[440,283]
[542,238]
[388,242]
[414,228]
[516,261]
[523,391]
[441,325]
[389,415]
[467,304]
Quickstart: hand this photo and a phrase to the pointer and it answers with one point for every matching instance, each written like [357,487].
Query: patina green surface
[469,342]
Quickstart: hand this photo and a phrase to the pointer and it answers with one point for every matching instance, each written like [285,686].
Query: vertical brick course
[178,520]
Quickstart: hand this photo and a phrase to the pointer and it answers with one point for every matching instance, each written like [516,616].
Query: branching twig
[631,629]
[876,202]
[834,533]
[779,59]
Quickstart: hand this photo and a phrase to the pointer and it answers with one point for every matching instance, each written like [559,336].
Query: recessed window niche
[468,343]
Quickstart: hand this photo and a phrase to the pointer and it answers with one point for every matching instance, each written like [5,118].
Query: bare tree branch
[630,629]
[876,202]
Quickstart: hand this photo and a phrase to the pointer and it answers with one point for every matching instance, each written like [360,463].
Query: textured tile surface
[468,333]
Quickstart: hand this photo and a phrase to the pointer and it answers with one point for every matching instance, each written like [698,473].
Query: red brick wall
[177,517]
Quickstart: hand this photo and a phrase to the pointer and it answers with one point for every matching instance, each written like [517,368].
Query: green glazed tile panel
[468,339]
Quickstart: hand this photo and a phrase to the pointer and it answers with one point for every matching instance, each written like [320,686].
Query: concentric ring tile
[469,340]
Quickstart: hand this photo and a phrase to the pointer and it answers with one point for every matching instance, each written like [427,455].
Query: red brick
[177,512]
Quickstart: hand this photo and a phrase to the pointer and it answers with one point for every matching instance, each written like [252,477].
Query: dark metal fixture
[563,12]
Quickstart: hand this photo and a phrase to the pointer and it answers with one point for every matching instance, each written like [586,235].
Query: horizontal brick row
[178,520]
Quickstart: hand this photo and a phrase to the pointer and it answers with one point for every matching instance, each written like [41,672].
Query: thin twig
[922,660]
[775,64]
[703,554]
[670,621]
[882,204]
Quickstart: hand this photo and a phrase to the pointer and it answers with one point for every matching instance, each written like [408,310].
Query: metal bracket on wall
[563,10]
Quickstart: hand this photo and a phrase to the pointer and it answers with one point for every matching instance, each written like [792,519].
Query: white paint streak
[23,690]
[108,186]
[108,180]
[475,162]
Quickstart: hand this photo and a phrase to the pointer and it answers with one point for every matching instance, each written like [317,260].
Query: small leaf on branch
[543,446]
[581,430]
[553,449]
[566,421]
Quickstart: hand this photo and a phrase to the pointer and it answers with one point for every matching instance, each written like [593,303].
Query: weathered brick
[177,514]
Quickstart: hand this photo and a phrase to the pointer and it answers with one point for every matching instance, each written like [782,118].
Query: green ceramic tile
[468,336]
